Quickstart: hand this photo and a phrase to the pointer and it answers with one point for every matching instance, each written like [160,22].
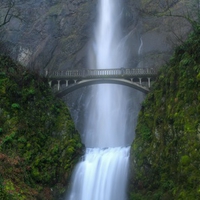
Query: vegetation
[166,150]
[38,141]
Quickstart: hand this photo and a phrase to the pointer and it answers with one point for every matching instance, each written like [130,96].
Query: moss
[56,9]
[165,153]
[38,141]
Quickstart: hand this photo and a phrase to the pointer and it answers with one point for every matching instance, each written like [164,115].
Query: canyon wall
[55,34]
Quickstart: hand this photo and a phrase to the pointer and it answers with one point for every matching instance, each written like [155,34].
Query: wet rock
[48,34]
[55,34]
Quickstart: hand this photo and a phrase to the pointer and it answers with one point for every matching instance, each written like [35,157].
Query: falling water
[106,123]
[102,174]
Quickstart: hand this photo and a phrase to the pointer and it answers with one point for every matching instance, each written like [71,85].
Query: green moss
[37,136]
[56,9]
[165,153]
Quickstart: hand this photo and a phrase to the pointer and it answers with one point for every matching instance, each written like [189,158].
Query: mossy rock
[166,149]
[37,136]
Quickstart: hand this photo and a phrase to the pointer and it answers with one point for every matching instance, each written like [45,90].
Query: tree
[7,12]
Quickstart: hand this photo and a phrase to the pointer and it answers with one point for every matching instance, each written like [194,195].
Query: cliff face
[155,28]
[165,153]
[55,34]
[39,145]
[48,34]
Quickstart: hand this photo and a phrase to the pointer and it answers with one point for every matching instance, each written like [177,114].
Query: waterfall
[106,121]
[102,173]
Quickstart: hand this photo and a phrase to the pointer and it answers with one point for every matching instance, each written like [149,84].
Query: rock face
[153,34]
[55,34]
[165,153]
[49,34]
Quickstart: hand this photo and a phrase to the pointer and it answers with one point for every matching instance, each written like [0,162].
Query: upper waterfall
[107,36]
[106,123]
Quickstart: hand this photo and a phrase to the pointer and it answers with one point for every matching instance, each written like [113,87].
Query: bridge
[66,81]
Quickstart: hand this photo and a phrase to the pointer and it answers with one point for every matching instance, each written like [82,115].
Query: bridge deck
[138,78]
[102,73]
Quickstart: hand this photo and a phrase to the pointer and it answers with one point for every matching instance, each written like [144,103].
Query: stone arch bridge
[66,81]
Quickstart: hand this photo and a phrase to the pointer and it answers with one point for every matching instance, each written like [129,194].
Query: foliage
[166,150]
[38,141]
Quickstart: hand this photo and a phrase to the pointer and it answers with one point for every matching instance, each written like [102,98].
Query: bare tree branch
[8,12]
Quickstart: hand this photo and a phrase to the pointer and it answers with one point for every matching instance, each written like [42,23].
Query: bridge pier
[140,81]
[58,85]
[46,72]
[149,82]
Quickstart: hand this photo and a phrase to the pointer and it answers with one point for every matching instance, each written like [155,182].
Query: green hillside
[166,150]
[38,141]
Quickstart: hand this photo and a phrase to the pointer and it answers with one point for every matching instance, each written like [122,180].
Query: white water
[102,175]
[106,123]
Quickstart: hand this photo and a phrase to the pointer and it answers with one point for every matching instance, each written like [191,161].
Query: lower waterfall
[102,175]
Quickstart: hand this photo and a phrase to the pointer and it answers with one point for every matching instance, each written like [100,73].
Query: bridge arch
[87,82]
[73,79]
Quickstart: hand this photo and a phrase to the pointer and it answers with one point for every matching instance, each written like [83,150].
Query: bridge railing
[89,73]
